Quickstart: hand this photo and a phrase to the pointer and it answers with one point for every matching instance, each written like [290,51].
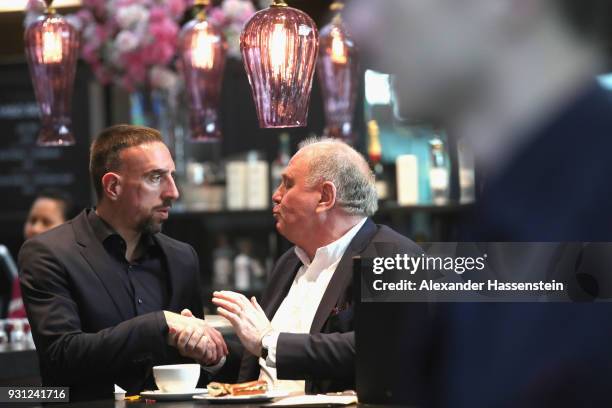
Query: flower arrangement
[133,43]
[231,16]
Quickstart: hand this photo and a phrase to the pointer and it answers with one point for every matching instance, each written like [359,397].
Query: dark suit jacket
[83,320]
[557,188]
[325,357]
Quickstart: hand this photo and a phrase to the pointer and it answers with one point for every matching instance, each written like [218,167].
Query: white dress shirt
[297,311]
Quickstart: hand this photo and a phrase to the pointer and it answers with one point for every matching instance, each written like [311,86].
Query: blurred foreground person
[516,80]
[103,291]
[49,209]
[301,338]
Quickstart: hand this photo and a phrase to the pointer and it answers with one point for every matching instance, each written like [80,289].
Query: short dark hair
[107,146]
[66,203]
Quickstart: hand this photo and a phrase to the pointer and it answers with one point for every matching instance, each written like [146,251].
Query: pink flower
[135,67]
[130,41]
[85,16]
[164,30]
[217,16]
[126,41]
[98,7]
[130,16]
[89,53]
[232,8]
[177,8]
[102,33]
[157,14]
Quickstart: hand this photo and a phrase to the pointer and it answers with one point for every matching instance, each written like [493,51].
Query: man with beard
[103,291]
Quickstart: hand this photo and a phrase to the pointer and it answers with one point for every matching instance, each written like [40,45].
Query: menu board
[25,168]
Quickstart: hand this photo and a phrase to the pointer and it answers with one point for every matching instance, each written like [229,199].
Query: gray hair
[335,161]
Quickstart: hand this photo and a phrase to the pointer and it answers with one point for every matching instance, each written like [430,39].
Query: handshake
[194,338]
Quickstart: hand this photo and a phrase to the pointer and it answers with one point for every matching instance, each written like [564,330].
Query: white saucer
[243,398]
[173,396]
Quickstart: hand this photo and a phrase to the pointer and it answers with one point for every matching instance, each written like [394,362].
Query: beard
[150,226]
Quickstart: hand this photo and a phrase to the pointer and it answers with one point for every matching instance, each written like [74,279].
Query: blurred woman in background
[49,209]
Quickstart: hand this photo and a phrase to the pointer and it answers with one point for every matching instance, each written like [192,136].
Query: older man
[103,291]
[304,328]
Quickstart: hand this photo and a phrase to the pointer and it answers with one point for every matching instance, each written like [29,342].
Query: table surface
[157,404]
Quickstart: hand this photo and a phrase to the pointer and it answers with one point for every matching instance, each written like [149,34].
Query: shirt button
[140,301]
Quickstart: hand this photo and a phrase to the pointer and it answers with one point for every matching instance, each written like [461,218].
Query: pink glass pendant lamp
[202,51]
[52,46]
[338,71]
[279,47]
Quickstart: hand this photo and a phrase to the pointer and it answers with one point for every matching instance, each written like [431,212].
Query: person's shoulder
[55,242]
[57,237]
[388,234]
[172,243]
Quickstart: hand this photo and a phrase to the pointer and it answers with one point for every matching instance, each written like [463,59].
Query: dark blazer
[83,320]
[557,188]
[325,357]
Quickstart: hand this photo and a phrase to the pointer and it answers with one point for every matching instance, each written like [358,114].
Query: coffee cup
[177,377]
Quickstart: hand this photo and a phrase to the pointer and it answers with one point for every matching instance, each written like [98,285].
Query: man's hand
[247,318]
[194,338]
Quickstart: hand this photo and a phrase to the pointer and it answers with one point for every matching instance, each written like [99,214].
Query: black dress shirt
[146,278]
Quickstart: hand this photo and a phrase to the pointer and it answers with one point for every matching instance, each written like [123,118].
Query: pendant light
[202,51]
[51,47]
[279,48]
[338,72]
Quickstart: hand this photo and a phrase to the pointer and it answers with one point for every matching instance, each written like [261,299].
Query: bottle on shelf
[18,334]
[281,161]
[257,188]
[438,171]
[222,264]
[375,157]
[466,173]
[3,332]
[243,279]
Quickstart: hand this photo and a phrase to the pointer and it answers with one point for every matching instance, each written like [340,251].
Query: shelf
[226,219]
[449,208]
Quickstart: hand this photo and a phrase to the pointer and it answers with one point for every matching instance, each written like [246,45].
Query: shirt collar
[103,230]
[331,253]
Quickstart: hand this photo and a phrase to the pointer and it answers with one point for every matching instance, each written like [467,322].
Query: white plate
[243,398]
[173,396]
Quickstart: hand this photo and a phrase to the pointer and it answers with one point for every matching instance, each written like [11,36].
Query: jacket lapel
[174,268]
[99,260]
[342,275]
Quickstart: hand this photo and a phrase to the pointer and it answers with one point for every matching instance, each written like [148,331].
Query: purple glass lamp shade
[279,48]
[337,69]
[202,51]
[52,46]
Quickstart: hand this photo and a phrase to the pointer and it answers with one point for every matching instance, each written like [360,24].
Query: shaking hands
[246,316]
[194,338]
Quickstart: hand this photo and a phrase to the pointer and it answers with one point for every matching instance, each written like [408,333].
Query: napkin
[315,400]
